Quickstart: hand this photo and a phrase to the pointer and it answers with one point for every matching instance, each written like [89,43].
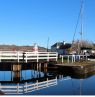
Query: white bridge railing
[27,87]
[19,55]
[73,58]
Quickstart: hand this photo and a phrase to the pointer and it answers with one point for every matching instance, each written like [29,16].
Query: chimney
[64,43]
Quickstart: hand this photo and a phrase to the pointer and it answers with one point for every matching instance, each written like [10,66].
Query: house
[61,48]
[86,50]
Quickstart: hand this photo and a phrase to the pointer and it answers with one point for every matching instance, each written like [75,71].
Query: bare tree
[76,45]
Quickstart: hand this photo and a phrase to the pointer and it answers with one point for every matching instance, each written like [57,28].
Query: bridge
[20,56]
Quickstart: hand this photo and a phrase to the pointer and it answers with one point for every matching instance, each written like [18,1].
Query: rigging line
[80,12]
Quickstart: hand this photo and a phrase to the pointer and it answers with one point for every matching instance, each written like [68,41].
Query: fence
[27,56]
[73,58]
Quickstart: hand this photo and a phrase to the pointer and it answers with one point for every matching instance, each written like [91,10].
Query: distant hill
[20,48]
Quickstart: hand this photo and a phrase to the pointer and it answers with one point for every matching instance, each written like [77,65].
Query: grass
[81,62]
[84,63]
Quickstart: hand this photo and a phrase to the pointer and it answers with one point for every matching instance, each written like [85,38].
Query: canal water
[67,82]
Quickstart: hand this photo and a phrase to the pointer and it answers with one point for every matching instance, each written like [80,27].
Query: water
[67,84]
[70,87]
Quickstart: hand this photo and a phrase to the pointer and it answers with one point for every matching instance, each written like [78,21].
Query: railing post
[56,80]
[23,56]
[56,57]
[26,86]
[47,82]
[72,58]
[62,59]
[0,86]
[68,58]
[79,57]
[37,84]
[0,56]
[48,57]
[37,57]
[18,88]
[86,57]
[26,57]
[37,66]
[23,88]
[18,56]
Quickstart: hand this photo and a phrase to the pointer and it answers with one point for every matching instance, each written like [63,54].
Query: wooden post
[11,72]
[40,66]
[16,67]
[45,65]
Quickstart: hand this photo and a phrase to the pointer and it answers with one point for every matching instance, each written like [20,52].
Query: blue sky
[25,22]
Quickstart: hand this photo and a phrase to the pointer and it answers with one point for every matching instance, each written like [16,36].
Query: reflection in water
[30,79]
[5,76]
[27,87]
[81,86]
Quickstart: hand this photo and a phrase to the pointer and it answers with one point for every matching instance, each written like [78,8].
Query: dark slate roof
[58,43]
[66,46]
[86,48]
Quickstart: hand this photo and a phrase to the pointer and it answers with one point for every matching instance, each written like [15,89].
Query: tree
[77,45]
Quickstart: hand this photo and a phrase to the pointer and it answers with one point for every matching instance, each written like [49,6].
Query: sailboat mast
[47,44]
[82,6]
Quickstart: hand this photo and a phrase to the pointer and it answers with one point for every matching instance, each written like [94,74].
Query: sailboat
[79,43]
